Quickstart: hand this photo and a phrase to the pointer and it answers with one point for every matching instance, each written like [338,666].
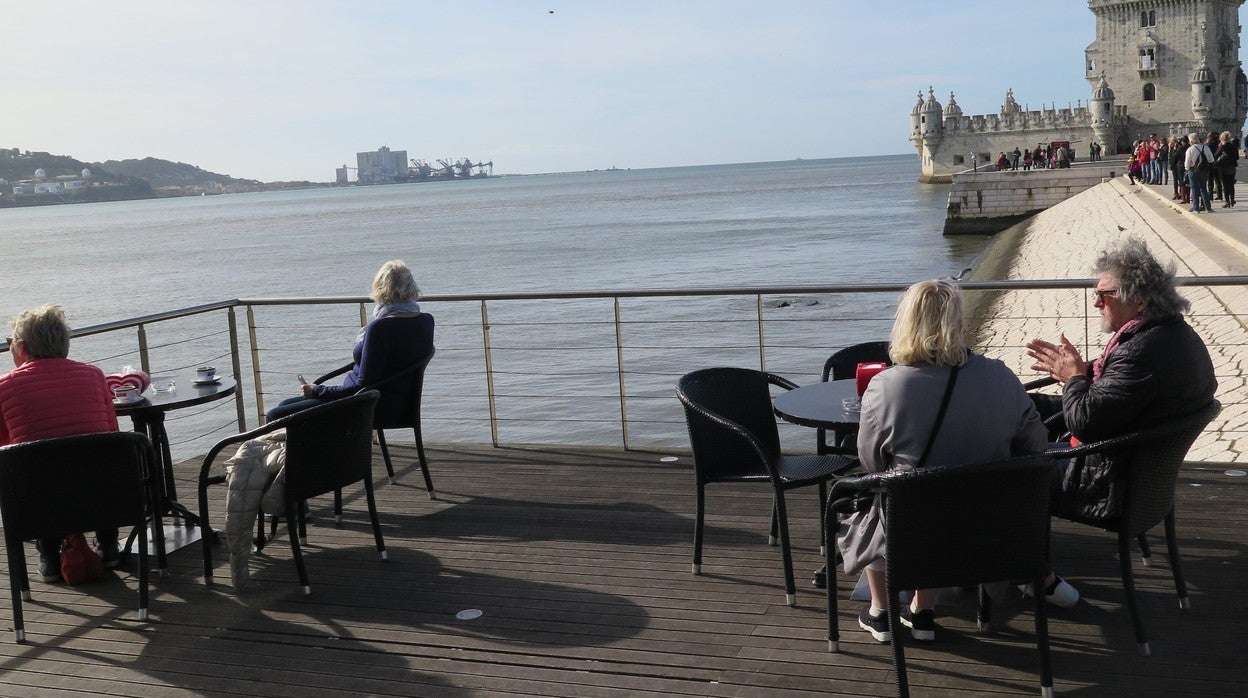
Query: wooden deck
[579,560]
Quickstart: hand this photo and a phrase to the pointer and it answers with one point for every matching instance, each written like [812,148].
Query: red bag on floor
[79,561]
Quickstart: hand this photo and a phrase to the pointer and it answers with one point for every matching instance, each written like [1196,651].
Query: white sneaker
[1064,595]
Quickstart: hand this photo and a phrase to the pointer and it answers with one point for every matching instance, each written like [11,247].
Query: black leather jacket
[1159,371]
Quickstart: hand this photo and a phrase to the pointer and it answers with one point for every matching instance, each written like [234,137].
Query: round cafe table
[819,405]
[148,416]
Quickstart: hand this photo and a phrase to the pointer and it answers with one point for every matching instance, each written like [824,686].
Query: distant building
[379,165]
[1169,67]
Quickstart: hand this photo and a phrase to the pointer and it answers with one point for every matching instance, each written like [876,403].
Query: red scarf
[1098,366]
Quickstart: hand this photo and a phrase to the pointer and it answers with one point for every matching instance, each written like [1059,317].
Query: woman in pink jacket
[49,395]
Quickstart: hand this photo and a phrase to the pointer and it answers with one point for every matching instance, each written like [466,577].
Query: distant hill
[163,173]
[16,165]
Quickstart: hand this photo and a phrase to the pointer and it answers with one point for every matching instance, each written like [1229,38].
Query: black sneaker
[876,625]
[820,580]
[922,624]
[110,553]
[50,567]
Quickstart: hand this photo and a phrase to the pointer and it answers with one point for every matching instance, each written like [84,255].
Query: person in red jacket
[49,395]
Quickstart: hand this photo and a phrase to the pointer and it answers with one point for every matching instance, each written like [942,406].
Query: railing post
[762,351]
[489,374]
[1087,333]
[255,363]
[237,368]
[363,315]
[619,371]
[144,360]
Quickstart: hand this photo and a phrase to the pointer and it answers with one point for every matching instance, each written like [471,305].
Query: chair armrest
[1039,383]
[848,492]
[238,439]
[780,381]
[332,374]
[1131,438]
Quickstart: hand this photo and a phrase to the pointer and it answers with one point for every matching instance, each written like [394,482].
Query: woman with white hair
[398,336]
[49,395]
[938,404]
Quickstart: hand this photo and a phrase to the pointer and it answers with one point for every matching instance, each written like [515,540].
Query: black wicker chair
[733,433]
[327,447]
[55,487]
[840,365]
[956,525]
[399,409]
[1147,464]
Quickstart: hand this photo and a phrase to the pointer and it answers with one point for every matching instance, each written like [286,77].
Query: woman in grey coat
[989,417]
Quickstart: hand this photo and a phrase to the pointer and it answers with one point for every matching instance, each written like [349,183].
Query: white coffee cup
[205,373]
[125,392]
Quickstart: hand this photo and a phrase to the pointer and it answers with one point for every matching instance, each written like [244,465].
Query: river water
[798,222]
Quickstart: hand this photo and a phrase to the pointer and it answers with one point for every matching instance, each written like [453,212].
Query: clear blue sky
[291,89]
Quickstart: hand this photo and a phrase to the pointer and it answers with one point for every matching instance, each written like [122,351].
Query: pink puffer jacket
[46,398]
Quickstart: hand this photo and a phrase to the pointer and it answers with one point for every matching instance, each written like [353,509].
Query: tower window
[1150,92]
[1148,59]
[1148,19]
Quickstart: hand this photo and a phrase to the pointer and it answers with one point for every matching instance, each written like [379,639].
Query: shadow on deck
[579,561]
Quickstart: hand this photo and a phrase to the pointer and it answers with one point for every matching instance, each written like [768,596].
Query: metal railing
[600,366]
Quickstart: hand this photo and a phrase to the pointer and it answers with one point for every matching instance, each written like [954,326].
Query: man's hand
[1060,361]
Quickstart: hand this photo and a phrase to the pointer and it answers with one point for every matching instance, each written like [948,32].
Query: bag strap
[940,416]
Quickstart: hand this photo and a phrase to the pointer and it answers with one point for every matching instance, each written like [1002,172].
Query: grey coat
[989,417]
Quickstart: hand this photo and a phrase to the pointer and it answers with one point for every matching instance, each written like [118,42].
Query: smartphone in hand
[301,379]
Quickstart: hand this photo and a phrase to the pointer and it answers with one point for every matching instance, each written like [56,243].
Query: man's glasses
[1103,293]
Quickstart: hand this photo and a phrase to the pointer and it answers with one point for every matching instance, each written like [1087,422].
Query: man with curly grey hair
[1154,368]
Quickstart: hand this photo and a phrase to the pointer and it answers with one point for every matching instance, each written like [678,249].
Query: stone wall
[988,202]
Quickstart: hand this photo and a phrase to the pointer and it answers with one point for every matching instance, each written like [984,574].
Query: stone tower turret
[1101,108]
[1203,83]
[931,119]
[916,121]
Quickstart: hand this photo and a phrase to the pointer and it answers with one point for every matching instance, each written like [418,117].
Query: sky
[290,90]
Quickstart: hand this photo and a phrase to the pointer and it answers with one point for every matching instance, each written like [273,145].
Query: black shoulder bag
[940,417]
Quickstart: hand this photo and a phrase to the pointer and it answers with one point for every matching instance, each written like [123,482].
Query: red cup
[866,372]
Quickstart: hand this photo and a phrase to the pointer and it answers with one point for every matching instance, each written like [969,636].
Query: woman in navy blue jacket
[398,336]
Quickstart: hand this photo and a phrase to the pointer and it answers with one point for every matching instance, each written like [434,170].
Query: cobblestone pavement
[1062,243]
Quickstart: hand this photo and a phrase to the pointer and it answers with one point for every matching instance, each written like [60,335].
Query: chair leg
[204,533]
[143,571]
[338,505]
[775,523]
[372,515]
[786,553]
[697,529]
[834,631]
[424,463]
[823,520]
[1176,566]
[292,529]
[259,541]
[303,521]
[983,617]
[385,453]
[18,585]
[1042,638]
[1128,588]
[899,654]
[1146,554]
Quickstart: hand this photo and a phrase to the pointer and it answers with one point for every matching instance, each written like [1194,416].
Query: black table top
[185,394]
[819,405]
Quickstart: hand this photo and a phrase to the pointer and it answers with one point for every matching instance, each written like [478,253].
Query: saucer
[208,381]
[122,402]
